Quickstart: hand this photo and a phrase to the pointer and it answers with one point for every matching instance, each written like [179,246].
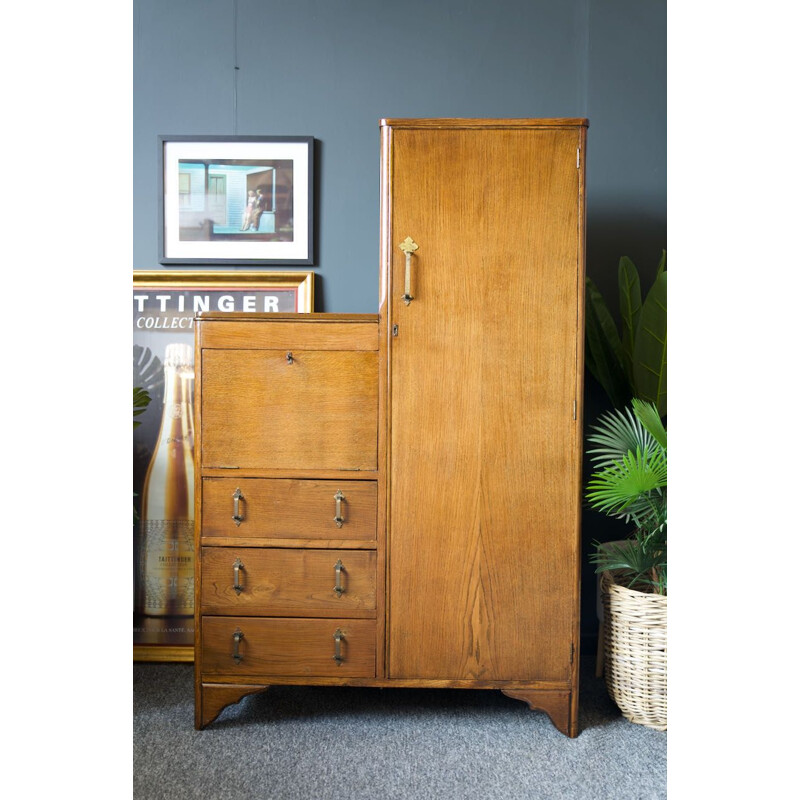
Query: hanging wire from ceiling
[235,67]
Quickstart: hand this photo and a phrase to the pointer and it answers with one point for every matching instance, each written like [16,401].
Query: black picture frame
[204,183]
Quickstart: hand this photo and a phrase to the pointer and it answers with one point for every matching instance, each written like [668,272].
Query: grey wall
[627,111]
[332,68]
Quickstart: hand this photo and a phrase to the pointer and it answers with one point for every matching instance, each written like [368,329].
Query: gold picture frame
[164,306]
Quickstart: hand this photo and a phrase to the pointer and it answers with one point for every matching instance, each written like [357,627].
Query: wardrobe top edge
[271,316]
[483,123]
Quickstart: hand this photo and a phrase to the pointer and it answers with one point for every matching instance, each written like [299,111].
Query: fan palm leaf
[618,432]
[616,488]
[638,566]
[630,483]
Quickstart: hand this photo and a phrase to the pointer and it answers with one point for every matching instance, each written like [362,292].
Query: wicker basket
[635,652]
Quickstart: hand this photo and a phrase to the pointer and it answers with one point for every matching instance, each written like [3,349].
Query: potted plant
[629,482]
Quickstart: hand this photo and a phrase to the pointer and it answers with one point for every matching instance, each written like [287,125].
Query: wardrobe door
[484,449]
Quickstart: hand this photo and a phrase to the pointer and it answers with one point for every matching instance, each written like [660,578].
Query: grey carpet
[305,743]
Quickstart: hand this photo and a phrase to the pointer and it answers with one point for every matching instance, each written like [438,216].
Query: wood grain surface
[290,409]
[282,582]
[484,445]
[463,408]
[296,647]
[311,331]
[286,508]
[483,124]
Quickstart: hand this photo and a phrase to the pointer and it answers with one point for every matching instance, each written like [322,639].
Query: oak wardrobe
[394,500]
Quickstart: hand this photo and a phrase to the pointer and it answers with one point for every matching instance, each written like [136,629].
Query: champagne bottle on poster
[166,527]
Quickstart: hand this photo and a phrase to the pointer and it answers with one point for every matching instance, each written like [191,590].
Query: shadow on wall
[623,231]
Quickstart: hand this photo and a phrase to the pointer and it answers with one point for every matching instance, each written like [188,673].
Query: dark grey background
[332,68]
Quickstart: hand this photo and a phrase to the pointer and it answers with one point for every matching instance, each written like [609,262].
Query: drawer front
[289,509]
[267,331]
[288,647]
[299,409]
[287,582]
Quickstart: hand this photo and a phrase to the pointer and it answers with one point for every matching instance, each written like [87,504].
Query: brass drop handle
[337,647]
[237,637]
[408,246]
[237,586]
[237,517]
[339,519]
[337,568]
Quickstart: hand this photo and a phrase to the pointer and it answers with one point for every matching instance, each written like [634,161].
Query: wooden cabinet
[482,308]
[394,500]
[289,574]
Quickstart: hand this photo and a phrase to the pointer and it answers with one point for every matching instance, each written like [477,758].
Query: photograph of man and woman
[232,199]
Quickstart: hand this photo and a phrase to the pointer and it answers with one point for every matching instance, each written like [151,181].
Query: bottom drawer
[288,647]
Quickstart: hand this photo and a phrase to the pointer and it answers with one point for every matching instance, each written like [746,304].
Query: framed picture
[164,306]
[236,200]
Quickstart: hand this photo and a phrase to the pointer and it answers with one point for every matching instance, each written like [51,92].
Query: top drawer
[293,409]
[254,331]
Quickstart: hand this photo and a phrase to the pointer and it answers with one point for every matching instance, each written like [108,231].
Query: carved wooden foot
[555,703]
[215,697]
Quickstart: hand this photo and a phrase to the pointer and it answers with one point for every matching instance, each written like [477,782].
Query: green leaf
[649,417]
[640,567]
[650,351]
[662,264]
[630,307]
[141,399]
[618,432]
[604,349]
[636,475]
[625,555]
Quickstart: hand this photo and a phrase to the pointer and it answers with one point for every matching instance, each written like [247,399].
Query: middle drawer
[287,582]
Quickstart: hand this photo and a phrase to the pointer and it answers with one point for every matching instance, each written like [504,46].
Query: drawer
[288,582]
[289,509]
[299,409]
[288,647]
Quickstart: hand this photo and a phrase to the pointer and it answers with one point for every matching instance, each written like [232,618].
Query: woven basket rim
[610,577]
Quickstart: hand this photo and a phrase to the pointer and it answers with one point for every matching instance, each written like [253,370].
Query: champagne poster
[165,305]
